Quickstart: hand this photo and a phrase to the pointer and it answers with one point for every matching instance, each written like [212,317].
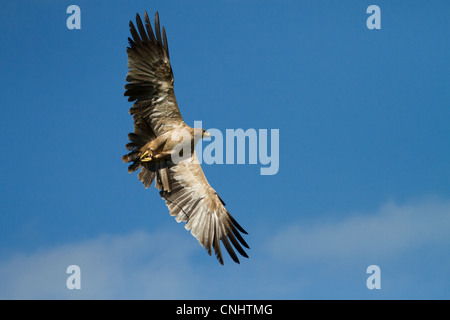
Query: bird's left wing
[150,77]
[195,202]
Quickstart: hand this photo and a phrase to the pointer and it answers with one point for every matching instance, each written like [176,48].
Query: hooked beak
[207,134]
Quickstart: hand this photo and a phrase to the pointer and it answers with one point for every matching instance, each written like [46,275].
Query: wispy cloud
[137,265]
[299,261]
[391,230]
[410,242]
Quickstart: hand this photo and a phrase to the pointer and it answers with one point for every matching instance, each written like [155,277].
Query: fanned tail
[142,134]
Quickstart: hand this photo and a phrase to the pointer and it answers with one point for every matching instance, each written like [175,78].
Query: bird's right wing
[150,77]
[195,202]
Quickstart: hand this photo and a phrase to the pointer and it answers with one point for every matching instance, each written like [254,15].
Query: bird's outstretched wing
[195,202]
[150,77]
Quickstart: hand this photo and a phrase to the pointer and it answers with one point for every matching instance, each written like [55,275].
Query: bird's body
[163,147]
[162,144]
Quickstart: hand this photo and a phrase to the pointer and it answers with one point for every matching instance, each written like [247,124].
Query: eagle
[160,133]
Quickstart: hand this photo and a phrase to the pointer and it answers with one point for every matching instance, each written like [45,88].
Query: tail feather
[147,175]
[132,156]
[142,134]
[158,171]
[134,166]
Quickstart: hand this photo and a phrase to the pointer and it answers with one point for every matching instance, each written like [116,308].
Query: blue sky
[364,174]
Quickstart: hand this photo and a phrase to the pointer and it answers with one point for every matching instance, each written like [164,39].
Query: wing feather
[150,77]
[198,204]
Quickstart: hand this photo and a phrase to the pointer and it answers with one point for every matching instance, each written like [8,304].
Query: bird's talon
[146,156]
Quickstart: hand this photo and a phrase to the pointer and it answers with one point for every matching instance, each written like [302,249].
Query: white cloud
[391,230]
[137,265]
[164,265]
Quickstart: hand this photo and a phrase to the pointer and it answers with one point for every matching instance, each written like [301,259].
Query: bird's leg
[149,156]
[151,149]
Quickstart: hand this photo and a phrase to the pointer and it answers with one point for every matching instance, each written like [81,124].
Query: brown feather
[197,204]
[150,77]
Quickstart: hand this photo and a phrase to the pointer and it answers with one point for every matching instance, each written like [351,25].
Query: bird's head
[205,134]
[200,133]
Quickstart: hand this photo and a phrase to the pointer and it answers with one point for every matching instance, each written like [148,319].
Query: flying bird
[160,133]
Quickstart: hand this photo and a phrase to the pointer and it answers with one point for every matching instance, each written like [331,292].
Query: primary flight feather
[158,132]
